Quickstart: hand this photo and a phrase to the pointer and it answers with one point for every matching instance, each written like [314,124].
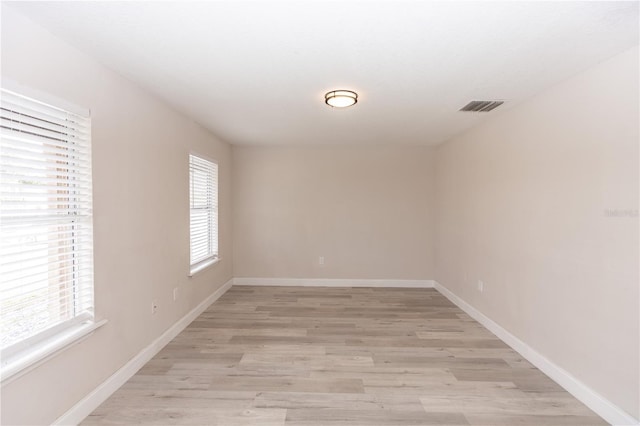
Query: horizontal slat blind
[46,253]
[203,183]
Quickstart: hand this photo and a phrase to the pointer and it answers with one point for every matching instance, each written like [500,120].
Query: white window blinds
[203,183]
[46,252]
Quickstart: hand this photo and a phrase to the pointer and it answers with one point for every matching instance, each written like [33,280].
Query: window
[46,250]
[203,196]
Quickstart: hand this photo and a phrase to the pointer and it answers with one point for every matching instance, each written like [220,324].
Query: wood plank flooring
[339,356]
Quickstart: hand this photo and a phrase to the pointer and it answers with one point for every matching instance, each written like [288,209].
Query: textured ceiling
[256,73]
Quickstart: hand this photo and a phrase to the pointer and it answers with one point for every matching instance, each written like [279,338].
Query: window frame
[25,354]
[212,257]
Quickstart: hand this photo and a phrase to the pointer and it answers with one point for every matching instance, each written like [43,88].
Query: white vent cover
[481,106]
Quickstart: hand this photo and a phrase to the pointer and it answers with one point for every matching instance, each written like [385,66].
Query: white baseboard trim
[86,405]
[596,402]
[332,282]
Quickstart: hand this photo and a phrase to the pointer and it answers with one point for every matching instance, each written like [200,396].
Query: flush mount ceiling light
[341,98]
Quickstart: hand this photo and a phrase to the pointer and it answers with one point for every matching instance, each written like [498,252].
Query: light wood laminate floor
[348,356]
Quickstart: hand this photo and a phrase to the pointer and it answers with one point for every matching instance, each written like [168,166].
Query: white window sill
[26,360]
[203,265]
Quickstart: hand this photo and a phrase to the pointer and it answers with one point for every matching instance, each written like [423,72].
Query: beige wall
[367,211]
[141,217]
[522,204]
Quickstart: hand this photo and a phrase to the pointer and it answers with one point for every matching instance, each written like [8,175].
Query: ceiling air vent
[481,106]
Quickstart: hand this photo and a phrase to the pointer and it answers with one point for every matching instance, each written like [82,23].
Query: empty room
[320,213]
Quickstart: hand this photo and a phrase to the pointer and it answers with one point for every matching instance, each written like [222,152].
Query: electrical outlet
[321,260]
[154,306]
[175,294]
[480,286]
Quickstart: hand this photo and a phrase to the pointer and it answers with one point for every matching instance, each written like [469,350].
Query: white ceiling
[256,73]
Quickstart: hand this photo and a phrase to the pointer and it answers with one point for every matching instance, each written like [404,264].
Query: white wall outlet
[321,260]
[154,306]
[175,294]
[480,286]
